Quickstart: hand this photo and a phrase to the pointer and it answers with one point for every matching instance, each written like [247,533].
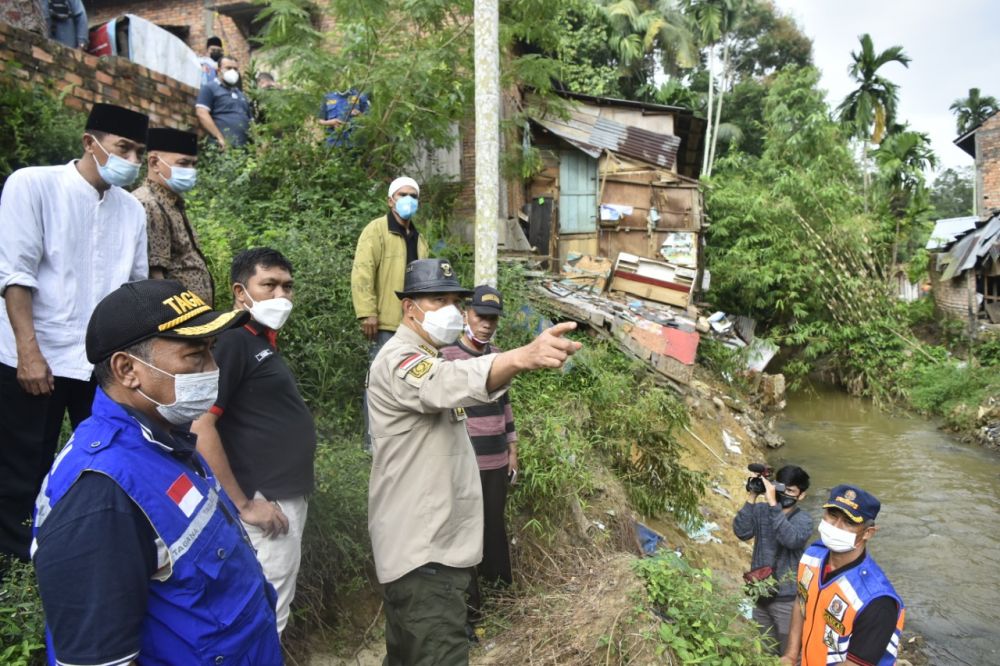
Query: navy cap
[431,276]
[487,301]
[855,502]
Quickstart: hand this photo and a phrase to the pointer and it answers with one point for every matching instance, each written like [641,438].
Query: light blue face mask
[181,179]
[406,206]
[117,170]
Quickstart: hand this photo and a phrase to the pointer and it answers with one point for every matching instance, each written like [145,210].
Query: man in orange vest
[849,611]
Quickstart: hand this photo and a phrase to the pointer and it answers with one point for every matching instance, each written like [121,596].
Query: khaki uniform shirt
[379,269]
[173,246]
[425,499]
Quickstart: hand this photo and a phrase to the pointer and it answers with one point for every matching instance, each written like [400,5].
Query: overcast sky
[951,44]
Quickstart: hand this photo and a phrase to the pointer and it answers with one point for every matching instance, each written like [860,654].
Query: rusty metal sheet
[592,135]
[643,144]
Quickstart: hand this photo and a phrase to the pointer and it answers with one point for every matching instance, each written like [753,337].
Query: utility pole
[487,57]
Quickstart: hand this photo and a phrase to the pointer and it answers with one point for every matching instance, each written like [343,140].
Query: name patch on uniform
[264,353]
[184,494]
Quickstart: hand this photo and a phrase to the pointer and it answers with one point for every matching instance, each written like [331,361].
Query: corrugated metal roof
[593,134]
[967,252]
[947,230]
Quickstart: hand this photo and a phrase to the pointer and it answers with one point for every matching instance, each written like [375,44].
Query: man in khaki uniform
[425,503]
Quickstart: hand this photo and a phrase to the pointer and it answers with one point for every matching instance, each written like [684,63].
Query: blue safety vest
[215,606]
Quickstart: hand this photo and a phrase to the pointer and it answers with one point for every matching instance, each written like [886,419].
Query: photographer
[780,531]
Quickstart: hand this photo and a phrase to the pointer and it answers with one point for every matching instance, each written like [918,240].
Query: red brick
[83,93]
[104,78]
[69,77]
[41,54]
[74,103]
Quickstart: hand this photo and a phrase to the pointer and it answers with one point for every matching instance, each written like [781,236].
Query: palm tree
[713,21]
[902,159]
[973,110]
[640,28]
[869,109]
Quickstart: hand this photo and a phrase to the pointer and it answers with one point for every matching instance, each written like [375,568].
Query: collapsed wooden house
[620,180]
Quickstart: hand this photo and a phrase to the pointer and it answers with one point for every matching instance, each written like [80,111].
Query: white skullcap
[400,182]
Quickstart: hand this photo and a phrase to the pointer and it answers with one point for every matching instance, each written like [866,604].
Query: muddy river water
[939,537]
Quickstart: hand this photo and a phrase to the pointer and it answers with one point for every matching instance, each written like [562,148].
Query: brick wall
[201,23]
[988,166]
[85,79]
[952,297]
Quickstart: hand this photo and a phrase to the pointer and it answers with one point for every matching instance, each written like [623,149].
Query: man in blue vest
[849,612]
[139,552]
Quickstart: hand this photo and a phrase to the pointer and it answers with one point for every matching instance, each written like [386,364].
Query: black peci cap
[213,41]
[172,141]
[137,311]
[119,121]
[431,276]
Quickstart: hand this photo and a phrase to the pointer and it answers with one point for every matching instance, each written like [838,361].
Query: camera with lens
[755,484]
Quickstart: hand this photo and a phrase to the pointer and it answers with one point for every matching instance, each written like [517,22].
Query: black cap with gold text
[137,311]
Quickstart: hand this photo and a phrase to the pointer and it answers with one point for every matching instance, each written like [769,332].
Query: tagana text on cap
[137,311]
[858,504]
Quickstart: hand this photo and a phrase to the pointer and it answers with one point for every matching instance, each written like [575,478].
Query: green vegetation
[22,640]
[35,128]
[698,622]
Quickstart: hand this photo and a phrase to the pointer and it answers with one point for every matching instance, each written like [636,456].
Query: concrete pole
[487,56]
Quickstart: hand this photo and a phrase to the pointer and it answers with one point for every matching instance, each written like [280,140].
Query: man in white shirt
[71,235]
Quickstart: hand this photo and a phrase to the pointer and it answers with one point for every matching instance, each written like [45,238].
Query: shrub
[22,625]
[35,128]
[700,624]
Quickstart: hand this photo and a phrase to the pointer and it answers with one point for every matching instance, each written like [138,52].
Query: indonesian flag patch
[184,494]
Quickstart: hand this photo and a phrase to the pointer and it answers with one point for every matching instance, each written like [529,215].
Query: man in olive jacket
[385,248]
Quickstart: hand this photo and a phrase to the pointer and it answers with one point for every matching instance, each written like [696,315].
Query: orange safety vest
[830,608]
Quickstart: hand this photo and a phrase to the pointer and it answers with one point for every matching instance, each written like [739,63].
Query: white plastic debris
[731,443]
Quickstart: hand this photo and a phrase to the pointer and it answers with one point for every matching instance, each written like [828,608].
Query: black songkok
[119,121]
[172,141]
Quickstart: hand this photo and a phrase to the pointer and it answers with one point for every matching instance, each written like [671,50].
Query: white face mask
[231,77]
[836,539]
[273,312]
[444,325]
[194,394]
[472,336]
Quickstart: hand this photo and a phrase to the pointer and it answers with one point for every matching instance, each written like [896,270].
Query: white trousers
[280,556]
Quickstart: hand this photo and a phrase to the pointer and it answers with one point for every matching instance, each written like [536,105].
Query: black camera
[755,484]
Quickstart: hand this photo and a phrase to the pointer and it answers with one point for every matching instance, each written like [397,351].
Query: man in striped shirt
[491,429]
